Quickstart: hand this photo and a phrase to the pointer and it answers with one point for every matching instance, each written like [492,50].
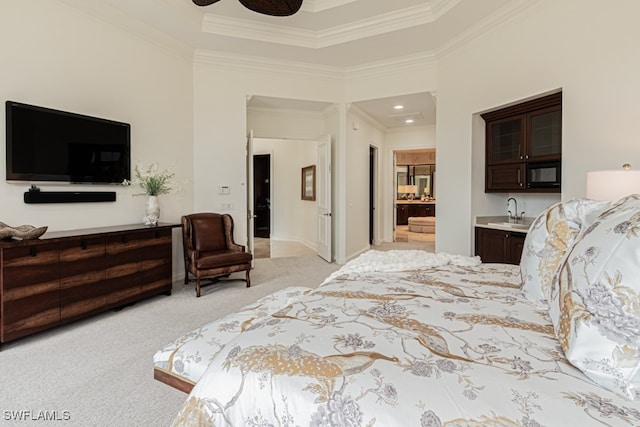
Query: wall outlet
[226,206]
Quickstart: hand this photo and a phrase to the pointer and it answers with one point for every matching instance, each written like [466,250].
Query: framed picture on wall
[309,183]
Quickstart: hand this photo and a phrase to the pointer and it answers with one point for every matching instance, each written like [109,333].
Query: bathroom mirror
[422,176]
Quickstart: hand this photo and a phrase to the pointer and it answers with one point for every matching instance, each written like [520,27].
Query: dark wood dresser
[69,275]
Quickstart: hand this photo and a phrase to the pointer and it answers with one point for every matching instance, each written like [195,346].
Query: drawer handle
[83,245]
[33,251]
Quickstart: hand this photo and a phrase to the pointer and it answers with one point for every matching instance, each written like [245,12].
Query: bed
[405,338]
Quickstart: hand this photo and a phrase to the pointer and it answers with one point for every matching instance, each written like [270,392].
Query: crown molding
[254,64]
[258,31]
[280,34]
[314,6]
[392,66]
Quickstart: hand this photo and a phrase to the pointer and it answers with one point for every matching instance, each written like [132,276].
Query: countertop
[504,223]
[415,202]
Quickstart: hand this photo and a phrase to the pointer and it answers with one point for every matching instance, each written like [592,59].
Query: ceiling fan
[266,7]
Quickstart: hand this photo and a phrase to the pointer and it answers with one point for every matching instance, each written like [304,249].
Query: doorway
[415,201]
[281,222]
[262,195]
[373,154]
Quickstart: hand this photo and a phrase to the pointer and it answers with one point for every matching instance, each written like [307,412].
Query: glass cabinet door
[545,133]
[506,139]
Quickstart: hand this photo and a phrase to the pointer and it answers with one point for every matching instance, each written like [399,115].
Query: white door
[323,197]
[249,187]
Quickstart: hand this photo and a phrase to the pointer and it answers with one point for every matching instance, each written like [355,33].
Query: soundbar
[37,196]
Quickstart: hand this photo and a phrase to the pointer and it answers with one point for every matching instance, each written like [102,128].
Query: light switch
[224,189]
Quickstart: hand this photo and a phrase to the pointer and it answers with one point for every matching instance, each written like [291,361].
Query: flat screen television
[45,145]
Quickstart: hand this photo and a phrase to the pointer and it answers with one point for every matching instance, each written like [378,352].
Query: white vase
[152,211]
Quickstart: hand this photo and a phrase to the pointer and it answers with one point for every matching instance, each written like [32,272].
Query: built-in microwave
[544,174]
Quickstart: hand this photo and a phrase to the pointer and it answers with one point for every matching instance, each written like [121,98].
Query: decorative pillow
[595,307]
[549,238]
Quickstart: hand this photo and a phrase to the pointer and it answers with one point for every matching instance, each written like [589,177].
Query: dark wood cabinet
[155,264]
[402,214]
[29,289]
[522,135]
[123,279]
[406,210]
[82,277]
[499,246]
[506,177]
[66,276]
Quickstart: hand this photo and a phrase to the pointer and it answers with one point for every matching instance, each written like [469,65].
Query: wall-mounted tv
[49,145]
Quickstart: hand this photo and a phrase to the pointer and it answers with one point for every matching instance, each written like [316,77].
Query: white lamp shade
[412,189]
[402,188]
[612,185]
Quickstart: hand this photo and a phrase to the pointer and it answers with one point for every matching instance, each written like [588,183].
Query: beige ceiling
[340,35]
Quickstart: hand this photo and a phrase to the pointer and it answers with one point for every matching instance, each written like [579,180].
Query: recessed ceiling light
[409,121]
[398,107]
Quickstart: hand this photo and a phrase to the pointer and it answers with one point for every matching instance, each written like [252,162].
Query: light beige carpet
[98,372]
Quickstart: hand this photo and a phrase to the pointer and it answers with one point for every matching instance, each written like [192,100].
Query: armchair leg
[248,279]
[197,287]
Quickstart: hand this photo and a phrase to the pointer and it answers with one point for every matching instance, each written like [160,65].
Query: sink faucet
[514,215]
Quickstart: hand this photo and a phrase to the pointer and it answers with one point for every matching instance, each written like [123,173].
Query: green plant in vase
[154,182]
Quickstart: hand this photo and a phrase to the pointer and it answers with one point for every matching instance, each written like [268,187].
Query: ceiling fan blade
[273,7]
[205,2]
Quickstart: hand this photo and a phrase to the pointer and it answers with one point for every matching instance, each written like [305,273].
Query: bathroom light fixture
[412,190]
[402,190]
[408,121]
[613,185]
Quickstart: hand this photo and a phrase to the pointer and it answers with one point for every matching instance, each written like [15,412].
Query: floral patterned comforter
[454,345]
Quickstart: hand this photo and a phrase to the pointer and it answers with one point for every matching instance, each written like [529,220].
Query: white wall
[361,135]
[292,218]
[586,49]
[285,124]
[56,56]
[220,123]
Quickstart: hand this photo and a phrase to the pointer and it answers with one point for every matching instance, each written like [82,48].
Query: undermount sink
[511,224]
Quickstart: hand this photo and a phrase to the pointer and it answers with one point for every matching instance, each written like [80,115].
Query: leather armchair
[209,249]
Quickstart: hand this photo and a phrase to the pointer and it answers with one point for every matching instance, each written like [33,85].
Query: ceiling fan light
[204,2]
[273,7]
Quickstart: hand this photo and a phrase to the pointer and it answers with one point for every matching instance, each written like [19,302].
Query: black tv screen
[49,145]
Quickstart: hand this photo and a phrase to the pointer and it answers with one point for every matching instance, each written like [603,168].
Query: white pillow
[548,241]
[595,307]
